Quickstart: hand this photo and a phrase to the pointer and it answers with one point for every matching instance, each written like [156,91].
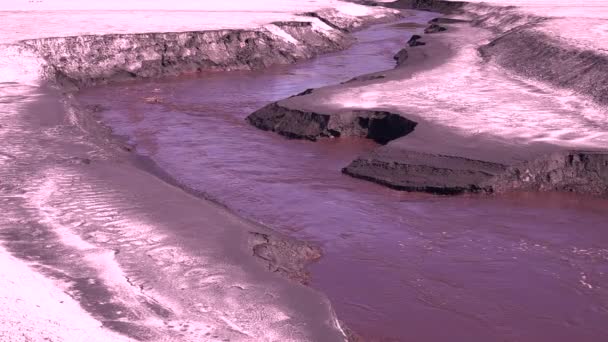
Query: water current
[396,266]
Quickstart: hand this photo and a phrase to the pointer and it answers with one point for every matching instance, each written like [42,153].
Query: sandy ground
[468,106]
[223,293]
[187,5]
[566,8]
[477,102]
[117,240]
[580,23]
[49,20]
[35,308]
[458,97]
[30,300]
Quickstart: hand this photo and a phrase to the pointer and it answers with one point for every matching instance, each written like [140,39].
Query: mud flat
[111,230]
[476,90]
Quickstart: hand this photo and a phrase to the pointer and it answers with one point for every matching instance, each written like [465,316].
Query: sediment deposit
[77,202]
[522,43]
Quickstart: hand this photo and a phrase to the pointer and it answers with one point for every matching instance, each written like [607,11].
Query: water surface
[397,266]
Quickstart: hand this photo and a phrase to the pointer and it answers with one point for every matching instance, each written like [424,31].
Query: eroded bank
[467,143]
[88,214]
[395,265]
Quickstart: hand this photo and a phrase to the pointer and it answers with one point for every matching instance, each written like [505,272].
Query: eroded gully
[396,266]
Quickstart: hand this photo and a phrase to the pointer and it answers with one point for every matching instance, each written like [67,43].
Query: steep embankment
[434,159]
[87,60]
[379,126]
[533,53]
[91,59]
[528,44]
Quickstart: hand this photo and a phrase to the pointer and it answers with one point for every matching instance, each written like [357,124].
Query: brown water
[397,266]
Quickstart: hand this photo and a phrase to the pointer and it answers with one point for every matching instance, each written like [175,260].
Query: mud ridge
[424,172]
[536,55]
[85,61]
[380,126]
[568,171]
[520,45]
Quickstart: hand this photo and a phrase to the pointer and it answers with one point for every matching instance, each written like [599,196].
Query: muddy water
[397,266]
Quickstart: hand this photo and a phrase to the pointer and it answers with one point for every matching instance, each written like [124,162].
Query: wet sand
[121,242]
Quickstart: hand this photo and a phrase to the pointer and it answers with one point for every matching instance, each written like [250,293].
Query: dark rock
[364,78]
[423,172]
[401,56]
[442,20]
[580,172]
[434,28]
[291,123]
[379,126]
[415,41]
[383,127]
[305,92]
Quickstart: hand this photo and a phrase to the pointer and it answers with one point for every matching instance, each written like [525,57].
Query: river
[396,266]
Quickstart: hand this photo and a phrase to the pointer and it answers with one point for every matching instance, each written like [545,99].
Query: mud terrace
[469,127]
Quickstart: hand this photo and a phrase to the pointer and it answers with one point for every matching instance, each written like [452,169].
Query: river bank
[167,261]
[468,147]
[395,265]
[88,215]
